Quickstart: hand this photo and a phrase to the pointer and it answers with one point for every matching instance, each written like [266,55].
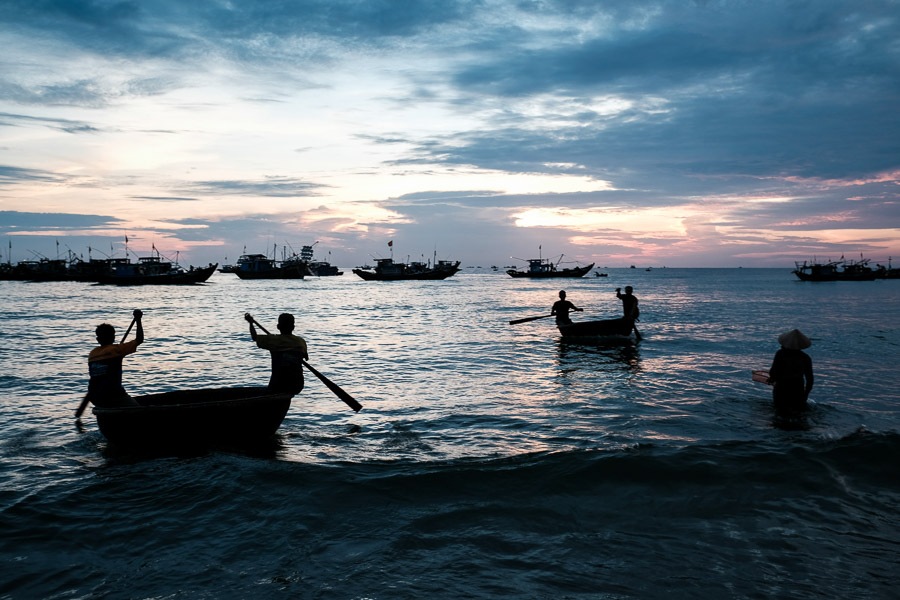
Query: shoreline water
[489,460]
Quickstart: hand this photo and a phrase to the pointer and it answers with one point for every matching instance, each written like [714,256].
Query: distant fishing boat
[599,274]
[539,268]
[259,266]
[319,268]
[94,269]
[152,270]
[386,269]
[36,270]
[195,417]
[70,269]
[890,272]
[840,270]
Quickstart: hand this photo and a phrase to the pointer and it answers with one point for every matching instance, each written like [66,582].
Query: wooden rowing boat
[236,415]
[604,328]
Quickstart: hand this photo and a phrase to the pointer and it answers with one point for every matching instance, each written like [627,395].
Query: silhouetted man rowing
[105,366]
[629,303]
[561,309]
[288,353]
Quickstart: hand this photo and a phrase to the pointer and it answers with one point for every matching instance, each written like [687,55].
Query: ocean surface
[489,461]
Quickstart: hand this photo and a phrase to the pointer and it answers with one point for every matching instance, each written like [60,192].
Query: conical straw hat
[794,340]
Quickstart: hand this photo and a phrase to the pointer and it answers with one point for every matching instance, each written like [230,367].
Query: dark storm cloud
[743,88]
[808,89]
[182,29]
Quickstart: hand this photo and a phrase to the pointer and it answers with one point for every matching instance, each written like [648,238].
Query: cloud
[166,198]
[733,124]
[270,186]
[65,125]
[13,220]
[15,175]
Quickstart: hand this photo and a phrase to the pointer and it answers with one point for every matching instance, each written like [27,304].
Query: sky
[680,134]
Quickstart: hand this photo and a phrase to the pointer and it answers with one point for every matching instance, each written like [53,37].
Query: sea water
[490,460]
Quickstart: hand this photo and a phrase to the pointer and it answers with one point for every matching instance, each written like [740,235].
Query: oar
[85,401]
[525,320]
[637,334]
[340,393]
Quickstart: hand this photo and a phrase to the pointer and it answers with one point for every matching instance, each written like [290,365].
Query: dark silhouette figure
[288,353]
[629,303]
[791,373]
[561,309]
[105,366]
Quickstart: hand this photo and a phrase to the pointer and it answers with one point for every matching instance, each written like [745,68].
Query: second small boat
[605,328]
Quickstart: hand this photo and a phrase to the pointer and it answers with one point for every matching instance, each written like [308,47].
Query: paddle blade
[760,377]
[81,408]
[347,398]
[527,319]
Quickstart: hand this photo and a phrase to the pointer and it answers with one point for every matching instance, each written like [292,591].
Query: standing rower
[105,365]
[288,353]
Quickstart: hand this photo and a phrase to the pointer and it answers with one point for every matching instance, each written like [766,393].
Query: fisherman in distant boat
[105,366]
[629,303]
[791,373]
[561,309]
[288,353]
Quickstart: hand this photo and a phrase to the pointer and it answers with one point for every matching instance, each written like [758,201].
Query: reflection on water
[598,354]
[442,373]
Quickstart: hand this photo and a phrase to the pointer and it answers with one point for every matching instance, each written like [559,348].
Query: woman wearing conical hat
[791,373]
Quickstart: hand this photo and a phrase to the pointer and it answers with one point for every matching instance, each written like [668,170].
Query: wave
[536,525]
[862,458]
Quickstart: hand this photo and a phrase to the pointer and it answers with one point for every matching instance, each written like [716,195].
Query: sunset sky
[719,133]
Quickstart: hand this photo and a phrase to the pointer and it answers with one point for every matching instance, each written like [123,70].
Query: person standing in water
[288,353]
[105,365]
[561,309]
[791,374]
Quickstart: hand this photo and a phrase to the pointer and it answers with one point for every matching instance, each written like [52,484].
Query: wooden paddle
[527,319]
[760,377]
[637,334]
[85,401]
[340,393]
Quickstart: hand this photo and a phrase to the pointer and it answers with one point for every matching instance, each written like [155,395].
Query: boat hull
[573,272]
[279,273]
[181,278]
[232,416]
[840,276]
[432,275]
[606,328]
[387,270]
[324,269]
